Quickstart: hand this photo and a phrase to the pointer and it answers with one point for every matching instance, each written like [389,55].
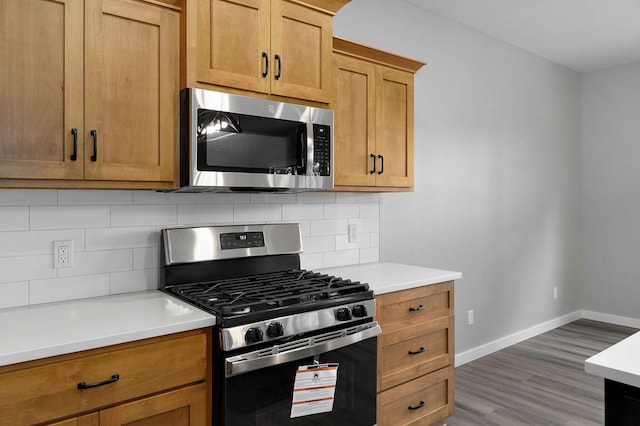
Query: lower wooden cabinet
[415,356]
[160,381]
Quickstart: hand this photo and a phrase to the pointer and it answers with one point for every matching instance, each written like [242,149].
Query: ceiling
[584,35]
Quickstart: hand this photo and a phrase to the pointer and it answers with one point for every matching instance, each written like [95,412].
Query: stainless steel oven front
[260,387]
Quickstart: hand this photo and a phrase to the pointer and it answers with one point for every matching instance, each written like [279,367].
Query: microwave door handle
[303,151]
[243,364]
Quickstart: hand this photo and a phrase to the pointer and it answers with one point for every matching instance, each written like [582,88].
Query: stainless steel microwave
[232,143]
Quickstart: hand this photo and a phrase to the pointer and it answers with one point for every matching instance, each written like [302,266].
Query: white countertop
[40,331]
[389,277]
[619,362]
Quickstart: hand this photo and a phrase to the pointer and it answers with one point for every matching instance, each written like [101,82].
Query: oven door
[258,389]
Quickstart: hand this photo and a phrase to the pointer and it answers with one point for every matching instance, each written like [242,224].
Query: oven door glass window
[263,397]
[229,142]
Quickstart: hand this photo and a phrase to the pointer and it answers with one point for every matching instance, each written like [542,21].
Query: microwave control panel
[322,149]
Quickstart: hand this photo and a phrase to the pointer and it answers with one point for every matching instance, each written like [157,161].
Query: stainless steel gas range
[291,346]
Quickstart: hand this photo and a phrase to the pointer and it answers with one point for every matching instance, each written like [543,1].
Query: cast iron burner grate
[266,292]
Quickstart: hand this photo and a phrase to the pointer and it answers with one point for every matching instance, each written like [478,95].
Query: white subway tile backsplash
[144,215]
[257,213]
[115,235]
[28,197]
[58,289]
[118,238]
[22,268]
[205,214]
[329,227]
[341,211]
[139,280]
[69,217]
[14,218]
[22,243]
[81,197]
[296,212]
[146,258]
[319,244]
[14,294]
[98,262]
[341,258]
[154,197]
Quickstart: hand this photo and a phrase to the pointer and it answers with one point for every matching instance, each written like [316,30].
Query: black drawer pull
[74,156]
[279,71]
[417,407]
[419,351]
[372,171]
[113,379]
[381,164]
[266,64]
[94,157]
[416,309]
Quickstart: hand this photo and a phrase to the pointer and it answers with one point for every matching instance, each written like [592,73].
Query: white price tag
[314,389]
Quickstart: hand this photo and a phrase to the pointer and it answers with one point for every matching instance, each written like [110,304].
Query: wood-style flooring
[540,381]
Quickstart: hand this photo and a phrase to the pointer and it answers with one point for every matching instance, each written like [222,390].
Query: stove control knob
[275,329]
[343,314]
[253,335]
[359,311]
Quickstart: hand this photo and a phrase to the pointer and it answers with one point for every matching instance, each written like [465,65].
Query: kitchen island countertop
[385,277]
[618,362]
[40,331]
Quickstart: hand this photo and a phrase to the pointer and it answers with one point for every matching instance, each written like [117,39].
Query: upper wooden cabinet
[272,47]
[373,105]
[91,93]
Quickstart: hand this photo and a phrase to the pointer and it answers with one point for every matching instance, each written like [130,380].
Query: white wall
[497,154]
[116,240]
[611,190]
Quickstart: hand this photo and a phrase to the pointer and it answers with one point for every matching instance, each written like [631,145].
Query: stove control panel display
[241,240]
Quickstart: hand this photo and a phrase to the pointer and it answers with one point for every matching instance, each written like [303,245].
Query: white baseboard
[504,342]
[611,319]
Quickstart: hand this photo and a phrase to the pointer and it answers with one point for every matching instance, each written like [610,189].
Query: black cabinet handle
[416,309]
[372,171]
[279,71]
[422,404]
[381,164]
[94,157]
[419,351]
[113,379]
[74,156]
[266,64]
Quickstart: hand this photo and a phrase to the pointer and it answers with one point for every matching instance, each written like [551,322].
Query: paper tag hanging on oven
[314,389]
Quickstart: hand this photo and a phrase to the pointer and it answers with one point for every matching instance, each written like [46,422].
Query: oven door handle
[304,348]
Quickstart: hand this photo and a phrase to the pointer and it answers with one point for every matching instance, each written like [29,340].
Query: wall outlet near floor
[470,317]
[353,233]
[555,292]
[63,254]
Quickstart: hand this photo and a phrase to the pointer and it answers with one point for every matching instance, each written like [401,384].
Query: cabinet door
[88,420]
[354,117]
[233,43]
[131,91]
[394,137]
[302,40]
[41,50]
[182,407]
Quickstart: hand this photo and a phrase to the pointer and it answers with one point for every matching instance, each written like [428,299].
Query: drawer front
[416,305]
[142,370]
[414,351]
[422,401]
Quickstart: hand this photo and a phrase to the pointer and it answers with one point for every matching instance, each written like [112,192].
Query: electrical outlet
[470,317]
[63,254]
[353,233]
[555,292]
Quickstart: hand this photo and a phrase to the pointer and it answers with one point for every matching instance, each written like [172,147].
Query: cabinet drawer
[416,305]
[50,390]
[414,351]
[430,396]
